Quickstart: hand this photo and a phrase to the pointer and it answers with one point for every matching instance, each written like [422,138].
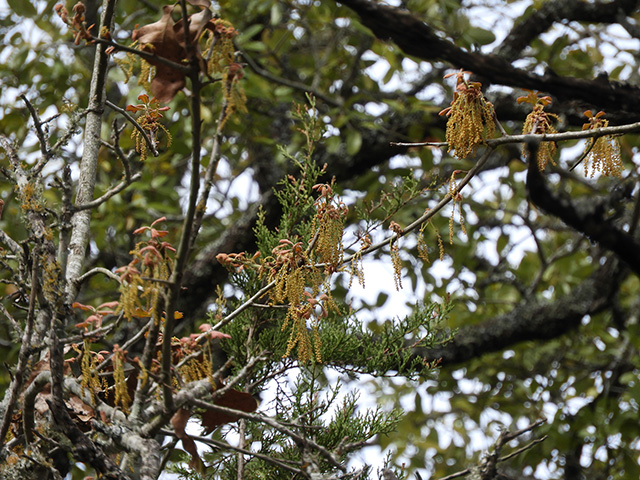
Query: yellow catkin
[541,122]
[357,269]
[423,250]
[122,397]
[603,153]
[440,245]
[471,117]
[394,251]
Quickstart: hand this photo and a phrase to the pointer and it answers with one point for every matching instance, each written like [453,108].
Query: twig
[510,436]
[23,356]
[244,306]
[149,57]
[419,144]
[278,426]
[223,445]
[214,160]
[43,138]
[417,223]
[522,449]
[582,157]
[95,271]
[504,438]
[185,242]
[541,137]
[12,320]
[11,243]
[80,222]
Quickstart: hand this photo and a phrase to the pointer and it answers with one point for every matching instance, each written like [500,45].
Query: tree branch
[541,20]
[80,221]
[532,320]
[417,38]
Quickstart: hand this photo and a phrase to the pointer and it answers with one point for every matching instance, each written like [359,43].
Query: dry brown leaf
[165,38]
[179,423]
[160,38]
[212,419]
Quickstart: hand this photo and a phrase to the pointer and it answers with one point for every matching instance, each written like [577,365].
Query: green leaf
[354,142]
[480,36]
[23,8]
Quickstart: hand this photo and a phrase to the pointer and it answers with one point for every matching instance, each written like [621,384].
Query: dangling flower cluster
[149,120]
[357,268]
[289,269]
[219,48]
[91,381]
[603,153]
[121,389]
[329,225]
[140,287]
[394,251]
[423,249]
[221,54]
[539,122]
[194,360]
[471,117]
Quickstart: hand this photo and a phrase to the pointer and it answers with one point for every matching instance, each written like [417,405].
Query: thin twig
[244,306]
[43,138]
[214,160]
[23,356]
[149,57]
[522,449]
[11,243]
[540,137]
[278,426]
[223,445]
[95,271]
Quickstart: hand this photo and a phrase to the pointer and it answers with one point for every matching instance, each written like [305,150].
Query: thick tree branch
[541,20]
[533,320]
[417,38]
[590,220]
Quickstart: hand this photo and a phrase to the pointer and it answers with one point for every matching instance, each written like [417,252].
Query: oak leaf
[160,39]
[166,38]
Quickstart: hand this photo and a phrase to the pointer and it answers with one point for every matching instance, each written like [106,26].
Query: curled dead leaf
[166,38]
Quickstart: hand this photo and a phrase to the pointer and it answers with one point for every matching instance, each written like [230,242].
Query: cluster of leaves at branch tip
[471,117]
[141,280]
[75,23]
[149,120]
[539,122]
[603,153]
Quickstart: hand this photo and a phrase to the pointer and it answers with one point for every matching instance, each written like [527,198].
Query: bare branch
[109,193]
[80,222]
